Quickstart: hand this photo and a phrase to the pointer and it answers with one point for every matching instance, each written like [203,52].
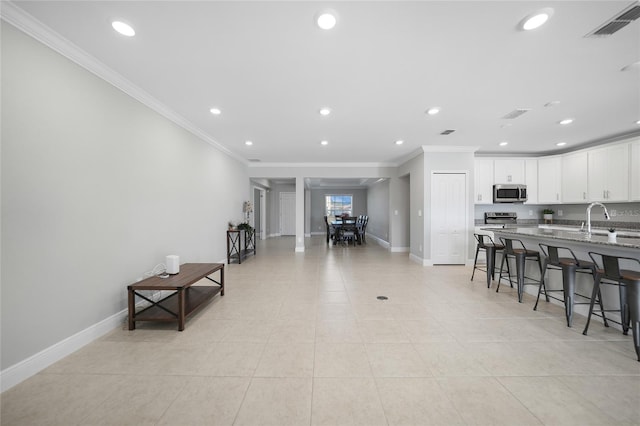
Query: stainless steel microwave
[509,193]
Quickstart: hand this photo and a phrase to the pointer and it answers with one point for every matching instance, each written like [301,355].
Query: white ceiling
[269,68]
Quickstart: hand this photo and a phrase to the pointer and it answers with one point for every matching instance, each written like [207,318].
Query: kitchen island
[627,244]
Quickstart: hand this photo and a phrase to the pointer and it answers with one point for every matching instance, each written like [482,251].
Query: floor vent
[447,132]
[620,21]
[516,113]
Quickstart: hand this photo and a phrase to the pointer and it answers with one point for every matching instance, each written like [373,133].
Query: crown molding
[14,15]
[327,165]
[446,148]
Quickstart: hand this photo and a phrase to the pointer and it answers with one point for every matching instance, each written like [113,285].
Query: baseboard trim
[421,261]
[399,249]
[21,371]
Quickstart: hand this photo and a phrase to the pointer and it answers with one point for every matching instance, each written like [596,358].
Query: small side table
[240,244]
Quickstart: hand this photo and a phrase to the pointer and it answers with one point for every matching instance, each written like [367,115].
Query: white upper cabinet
[531,180]
[574,177]
[483,182]
[609,173]
[508,170]
[635,171]
[549,183]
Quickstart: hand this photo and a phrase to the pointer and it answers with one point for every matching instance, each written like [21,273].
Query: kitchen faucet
[606,215]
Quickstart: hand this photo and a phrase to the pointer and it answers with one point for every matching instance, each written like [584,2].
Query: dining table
[344,228]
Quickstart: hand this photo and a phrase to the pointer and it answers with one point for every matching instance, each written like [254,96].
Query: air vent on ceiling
[254,160]
[623,19]
[447,132]
[516,113]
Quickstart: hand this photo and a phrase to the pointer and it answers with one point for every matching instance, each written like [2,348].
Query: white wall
[414,169]
[317,205]
[273,225]
[461,161]
[96,190]
[378,208]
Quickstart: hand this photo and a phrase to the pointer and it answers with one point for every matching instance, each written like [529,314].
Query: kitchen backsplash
[623,215]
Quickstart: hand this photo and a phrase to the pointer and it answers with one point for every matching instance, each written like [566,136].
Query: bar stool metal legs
[486,243]
[629,286]
[520,255]
[569,265]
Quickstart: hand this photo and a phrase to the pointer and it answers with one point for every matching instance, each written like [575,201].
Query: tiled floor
[301,339]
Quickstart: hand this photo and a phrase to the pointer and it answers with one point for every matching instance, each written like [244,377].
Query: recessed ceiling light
[566,121]
[561,144]
[503,143]
[248,143]
[124,29]
[433,111]
[324,142]
[326,21]
[399,142]
[638,122]
[325,111]
[215,111]
[536,19]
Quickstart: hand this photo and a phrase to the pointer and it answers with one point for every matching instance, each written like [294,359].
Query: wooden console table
[185,299]
[240,244]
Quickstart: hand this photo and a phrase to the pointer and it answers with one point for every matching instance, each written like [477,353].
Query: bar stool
[569,266]
[520,255]
[628,282]
[486,243]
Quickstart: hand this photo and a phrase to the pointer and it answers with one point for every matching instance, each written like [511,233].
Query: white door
[287,213]
[448,218]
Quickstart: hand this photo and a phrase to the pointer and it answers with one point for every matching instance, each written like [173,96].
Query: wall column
[299,214]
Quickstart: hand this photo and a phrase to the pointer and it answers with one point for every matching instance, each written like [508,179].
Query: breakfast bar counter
[626,244]
[598,240]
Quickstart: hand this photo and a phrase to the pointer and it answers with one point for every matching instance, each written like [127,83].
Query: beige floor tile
[617,396]
[207,401]
[292,310]
[484,401]
[138,400]
[56,399]
[553,402]
[276,401]
[416,401]
[333,297]
[346,401]
[486,357]
[396,360]
[109,357]
[254,331]
[232,359]
[370,311]
[293,331]
[286,360]
[450,358]
[343,331]
[341,360]
[382,331]
[424,331]
[335,312]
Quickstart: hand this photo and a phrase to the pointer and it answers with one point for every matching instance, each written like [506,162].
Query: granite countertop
[599,236]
